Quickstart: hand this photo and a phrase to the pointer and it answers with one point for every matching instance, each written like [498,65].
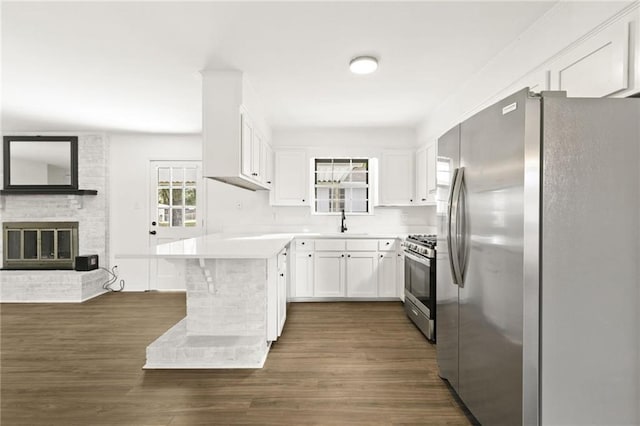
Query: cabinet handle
[381,256]
[348,255]
[411,200]
[342,255]
[309,255]
[269,182]
[303,200]
[424,199]
[282,275]
[387,242]
[302,243]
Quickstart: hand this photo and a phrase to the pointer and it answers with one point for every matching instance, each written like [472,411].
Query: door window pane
[163,216]
[176,217]
[47,245]
[177,176]
[163,197]
[164,176]
[190,197]
[190,216]
[13,238]
[190,175]
[30,245]
[177,197]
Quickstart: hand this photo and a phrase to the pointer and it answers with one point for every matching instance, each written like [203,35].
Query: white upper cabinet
[266,164]
[291,185]
[397,178]
[432,153]
[421,176]
[233,138]
[597,67]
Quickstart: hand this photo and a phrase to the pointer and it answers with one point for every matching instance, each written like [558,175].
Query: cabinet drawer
[330,245]
[362,245]
[304,244]
[387,245]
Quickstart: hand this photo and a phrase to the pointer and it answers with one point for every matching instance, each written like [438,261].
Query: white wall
[236,210]
[520,64]
[130,157]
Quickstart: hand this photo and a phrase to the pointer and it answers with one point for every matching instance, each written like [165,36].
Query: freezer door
[492,152]
[446,291]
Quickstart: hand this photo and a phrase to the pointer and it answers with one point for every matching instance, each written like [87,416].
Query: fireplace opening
[39,245]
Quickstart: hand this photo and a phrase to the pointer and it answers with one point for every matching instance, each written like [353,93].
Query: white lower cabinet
[400,274]
[346,268]
[276,295]
[361,274]
[282,290]
[328,277]
[303,286]
[387,274]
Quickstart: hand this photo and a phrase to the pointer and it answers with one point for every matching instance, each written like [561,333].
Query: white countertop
[239,246]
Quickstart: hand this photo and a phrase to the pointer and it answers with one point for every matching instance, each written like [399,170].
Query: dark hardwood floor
[336,363]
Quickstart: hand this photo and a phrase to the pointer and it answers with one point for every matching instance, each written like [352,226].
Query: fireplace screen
[40,245]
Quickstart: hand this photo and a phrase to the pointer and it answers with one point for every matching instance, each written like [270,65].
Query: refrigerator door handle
[449,227]
[454,226]
[462,228]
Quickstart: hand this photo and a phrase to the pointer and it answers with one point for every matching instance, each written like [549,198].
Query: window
[176,200]
[341,184]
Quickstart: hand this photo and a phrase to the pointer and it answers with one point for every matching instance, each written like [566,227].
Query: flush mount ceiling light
[363,65]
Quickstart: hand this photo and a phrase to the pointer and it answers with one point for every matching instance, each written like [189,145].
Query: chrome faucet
[343,226]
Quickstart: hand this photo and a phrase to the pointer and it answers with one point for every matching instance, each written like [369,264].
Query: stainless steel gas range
[420,282]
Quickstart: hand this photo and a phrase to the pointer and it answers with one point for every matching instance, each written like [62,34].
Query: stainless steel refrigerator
[538,294]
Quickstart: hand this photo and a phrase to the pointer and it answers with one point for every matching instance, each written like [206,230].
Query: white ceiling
[125,66]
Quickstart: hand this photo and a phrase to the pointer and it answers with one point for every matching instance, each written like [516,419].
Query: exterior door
[175,206]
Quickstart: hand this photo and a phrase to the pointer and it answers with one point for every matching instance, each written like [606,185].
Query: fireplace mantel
[48,191]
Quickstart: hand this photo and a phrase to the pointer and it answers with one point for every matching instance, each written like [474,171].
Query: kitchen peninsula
[231,318]
[238,287]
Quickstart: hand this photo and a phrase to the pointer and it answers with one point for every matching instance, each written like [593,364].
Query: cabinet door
[257,167]
[267,163]
[387,274]
[431,172]
[421,176]
[400,275]
[397,178]
[282,298]
[303,275]
[597,67]
[361,274]
[329,274]
[246,146]
[291,178]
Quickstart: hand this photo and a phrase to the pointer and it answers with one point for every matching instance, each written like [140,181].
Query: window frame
[368,185]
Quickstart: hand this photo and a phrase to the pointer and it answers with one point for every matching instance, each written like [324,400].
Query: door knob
[153,223]
[152,232]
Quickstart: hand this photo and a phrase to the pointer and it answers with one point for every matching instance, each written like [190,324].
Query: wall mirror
[40,163]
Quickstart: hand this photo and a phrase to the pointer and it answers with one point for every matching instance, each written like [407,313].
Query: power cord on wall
[113,277]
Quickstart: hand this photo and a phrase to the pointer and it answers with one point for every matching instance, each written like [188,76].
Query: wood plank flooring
[336,364]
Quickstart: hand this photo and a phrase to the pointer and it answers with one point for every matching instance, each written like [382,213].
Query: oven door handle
[418,259]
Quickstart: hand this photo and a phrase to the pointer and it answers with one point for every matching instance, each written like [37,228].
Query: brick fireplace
[90,213]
